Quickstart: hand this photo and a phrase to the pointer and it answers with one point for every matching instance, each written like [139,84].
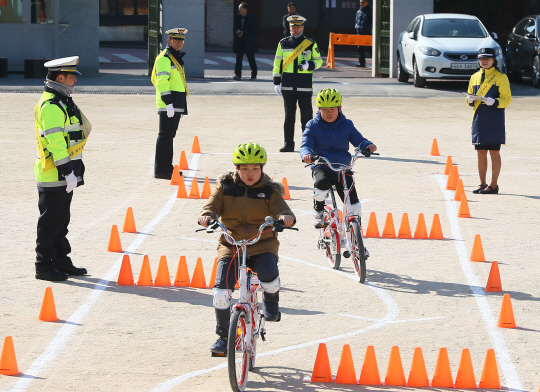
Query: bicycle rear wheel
[359,256]
[237,351]
[333,245]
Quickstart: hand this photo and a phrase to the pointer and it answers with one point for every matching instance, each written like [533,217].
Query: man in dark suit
[291,8]
[364,25]
[244,41]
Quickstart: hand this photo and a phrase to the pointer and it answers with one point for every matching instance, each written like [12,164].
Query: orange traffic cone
[321,369]
[129,222]
[114,240]
[370,371]
[162,275]
[436,229]
[48,310]
[194,191]
[448,166]
[389,231]
[181,194]
[182,274]
[443,375]
[477,253]
[340,213]
[212,281]
[145,276]
[372,228]
[394,373]
[206,191]
[434,148]
[8,360]
[287,195]
[195,148]
[404,228]
[459,190]
[346,374]
[183,164]
[494,279]
[418,375]
[490,375]
[463,211]
[451,183]
[175,179]
[125,277]
[465,374]
[506,317]
[421,229]
[198,280]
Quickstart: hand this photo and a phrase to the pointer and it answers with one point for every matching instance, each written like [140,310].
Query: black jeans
[323,180]
[362,54]
[306,112]
[252,64]
[164,144]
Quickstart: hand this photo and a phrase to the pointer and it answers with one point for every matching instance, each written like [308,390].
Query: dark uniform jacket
[364,20]
[248,42]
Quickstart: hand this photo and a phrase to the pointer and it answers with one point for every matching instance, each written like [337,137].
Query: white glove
[277,87]
[470,99]
[170,110]
[489,101]
[304,65]
[71,181]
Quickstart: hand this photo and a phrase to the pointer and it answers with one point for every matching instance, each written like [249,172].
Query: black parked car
[522,52]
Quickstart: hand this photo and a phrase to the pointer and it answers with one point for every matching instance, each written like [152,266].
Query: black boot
[271,307]
[50,274]
[66,266]
[287,147]
[220,346]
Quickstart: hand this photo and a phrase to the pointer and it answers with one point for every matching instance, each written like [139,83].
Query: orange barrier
[345,39]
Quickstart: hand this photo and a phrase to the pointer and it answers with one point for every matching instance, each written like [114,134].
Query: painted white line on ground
[210,62]
[490,323]
[104,60]
[393,322]
[129,58]
[266,61]
[233,60]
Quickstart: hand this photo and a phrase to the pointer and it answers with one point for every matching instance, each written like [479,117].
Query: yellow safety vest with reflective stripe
[167,80]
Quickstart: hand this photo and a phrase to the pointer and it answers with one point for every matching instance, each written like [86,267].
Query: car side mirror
[411,35]
[494,35]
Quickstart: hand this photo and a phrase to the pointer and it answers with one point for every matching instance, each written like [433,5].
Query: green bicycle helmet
[329,98]
[249,154]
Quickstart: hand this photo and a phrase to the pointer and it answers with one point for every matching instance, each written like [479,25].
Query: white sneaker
[318,219]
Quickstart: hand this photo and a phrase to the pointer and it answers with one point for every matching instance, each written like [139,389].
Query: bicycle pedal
[221,355]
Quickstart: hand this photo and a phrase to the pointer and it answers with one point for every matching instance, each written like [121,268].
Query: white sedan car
[443,46]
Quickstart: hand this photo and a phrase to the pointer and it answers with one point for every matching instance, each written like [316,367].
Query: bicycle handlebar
[320,160]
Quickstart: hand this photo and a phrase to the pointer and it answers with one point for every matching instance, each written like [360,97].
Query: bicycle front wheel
[333,245]
[237,351]
[359,256]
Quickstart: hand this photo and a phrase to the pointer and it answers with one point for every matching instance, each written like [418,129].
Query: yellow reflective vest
[169,82]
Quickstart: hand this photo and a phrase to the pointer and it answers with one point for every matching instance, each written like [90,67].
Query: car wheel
[536,72]
[402,75]
[418,81]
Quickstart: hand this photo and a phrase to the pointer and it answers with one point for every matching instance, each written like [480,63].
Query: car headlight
[426,50]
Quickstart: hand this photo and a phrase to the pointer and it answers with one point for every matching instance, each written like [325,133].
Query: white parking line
[232,60]
[104,60]
[266,61]
[129,58]
[210,62]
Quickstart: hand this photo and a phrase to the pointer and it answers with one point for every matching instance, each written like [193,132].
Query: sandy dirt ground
[418,293]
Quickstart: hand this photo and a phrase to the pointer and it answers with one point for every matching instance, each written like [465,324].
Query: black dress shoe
[72,270]
[163,176]
[360,65]
[253,78]
[490,191]
[237,78]
[288,147]
[479,189]
[51,275]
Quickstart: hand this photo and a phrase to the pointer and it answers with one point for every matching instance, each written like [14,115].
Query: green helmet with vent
[329,98]
[249,154]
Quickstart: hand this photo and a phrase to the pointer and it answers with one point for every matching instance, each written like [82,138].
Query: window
[530,28]
[411,26]
[42,11]
[456,28]
[520,27]
[11,11]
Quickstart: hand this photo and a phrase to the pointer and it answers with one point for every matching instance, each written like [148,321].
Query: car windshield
[458,28]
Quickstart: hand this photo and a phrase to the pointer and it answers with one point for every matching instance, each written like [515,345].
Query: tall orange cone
[459,190]
[162,275]
[212,281]
[453,177]
[181,193]
[195,148]
[114,241]
[321,369]
[183,164]
[287,195]
[182,274]
[443,375]
[506,317]
[125,277]
[434,148]
[463,211]
[198,280]
[8,360]
[465,374]
[48,310]
[206,191]
[346,374]
[394,373]
[129,222]
[370,371]
[418,375]
[404,228]
[436,229]
[194,191]
[372,228]
[421,229]
[175,179]
[490,375]
[389,231]
[448,166]
[494,279]
[477,253]
[145,276]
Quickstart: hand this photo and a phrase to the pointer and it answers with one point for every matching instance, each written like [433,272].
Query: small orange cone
[421,229]
[194,191]
[145,277]
[434,148]
[114,240]
[370,371]
[405,228]
[453,177]
[494,279]
[182,274]
[287,195]
[321,369]
[195,148]
[463,211]
[181,194]
[212,281]
[465,374]
[448,166]
[198,280]
[372,228]
[389,231]
[394,373]
[162,275]
[175,179]
[129,222]
[340,215]
[490,375]
[436,229]
[443,375]
[477,253]
[206,191]
[125,277]
[506,317]
[183,165]
[8,360]
[418,375]
[459,190]
[48,310]
[346,374]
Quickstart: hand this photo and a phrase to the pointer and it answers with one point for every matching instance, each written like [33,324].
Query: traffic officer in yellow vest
[296,58]
[171,90]
[61,133]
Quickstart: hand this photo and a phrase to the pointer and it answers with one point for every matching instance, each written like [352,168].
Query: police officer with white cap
[171,91]
[61,133]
